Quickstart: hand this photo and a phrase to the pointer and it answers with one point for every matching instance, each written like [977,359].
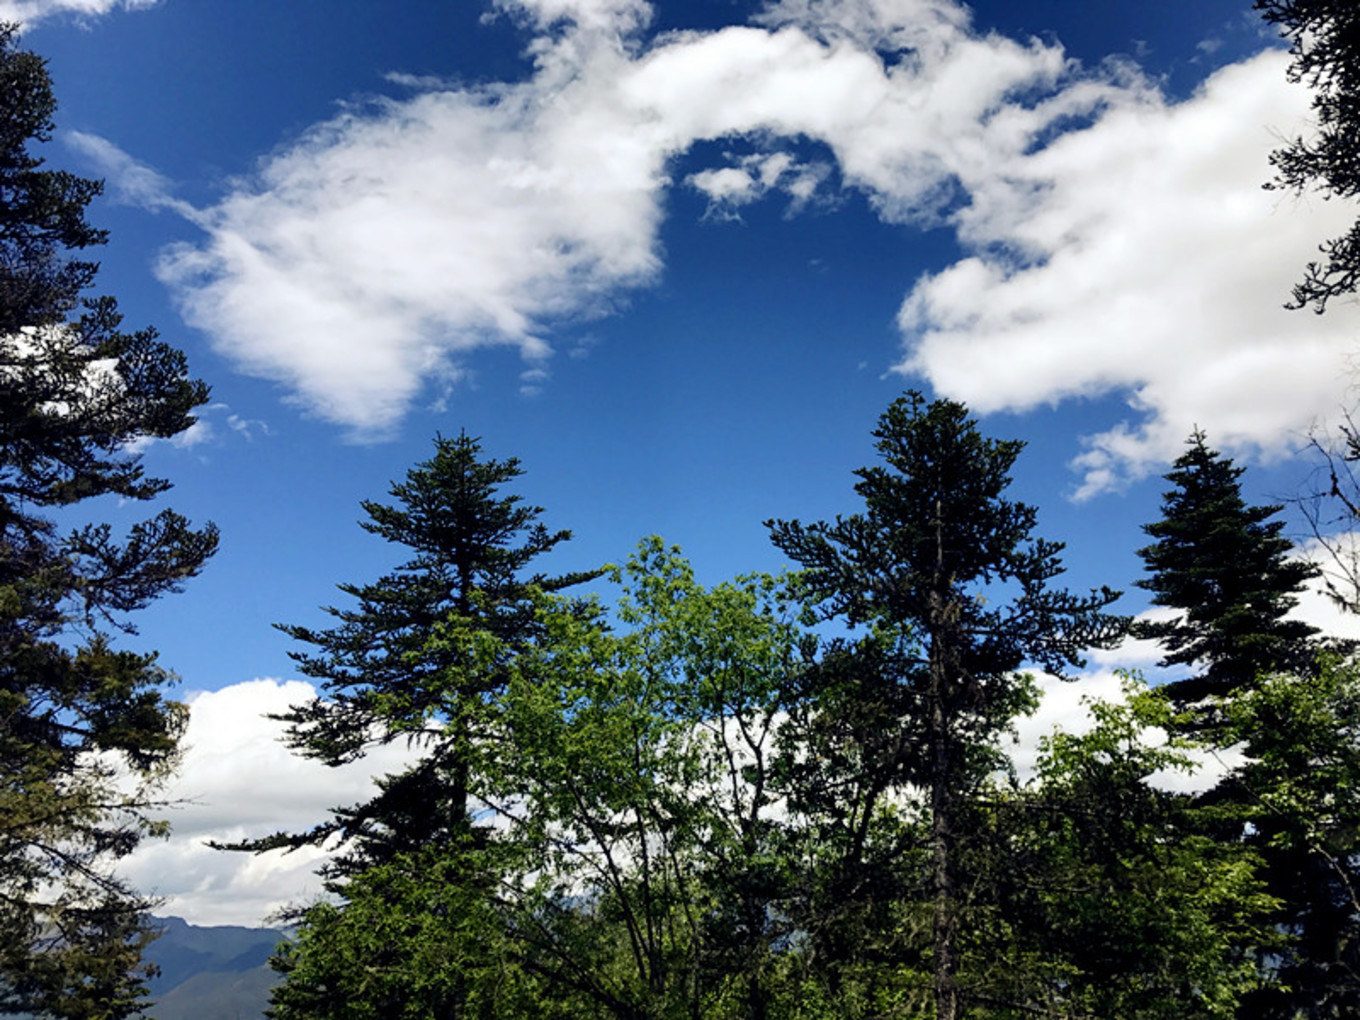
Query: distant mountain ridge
[210,973]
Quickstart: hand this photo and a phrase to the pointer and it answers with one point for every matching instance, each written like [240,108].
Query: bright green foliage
[1325,45]
[643,764]
[638,856]
[384,676]
[1107,895]
[1225,567]
[417,937]
[74,708]
[956,590]
[1300,788]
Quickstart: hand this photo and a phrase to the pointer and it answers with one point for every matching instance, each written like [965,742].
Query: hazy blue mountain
[217,973]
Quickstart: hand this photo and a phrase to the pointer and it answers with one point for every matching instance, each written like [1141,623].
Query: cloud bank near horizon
[237,780]
[1115,242]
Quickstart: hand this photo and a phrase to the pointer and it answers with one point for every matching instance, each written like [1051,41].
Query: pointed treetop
[1225,565]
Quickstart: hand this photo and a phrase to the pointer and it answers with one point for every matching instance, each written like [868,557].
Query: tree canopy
[1324,38]
[923,562]
[1225,569]
[77,710]
[788,798]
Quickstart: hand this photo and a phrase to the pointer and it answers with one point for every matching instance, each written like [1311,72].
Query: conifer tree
[942,559]
[1224,566]
[387,676]
[76,394]
[1324,38]
[1300,736]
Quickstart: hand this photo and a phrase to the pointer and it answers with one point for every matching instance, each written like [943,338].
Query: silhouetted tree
[76,395]
[1325,46]
[948,567]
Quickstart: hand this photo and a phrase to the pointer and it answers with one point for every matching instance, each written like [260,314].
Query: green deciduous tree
[1225,568]
[1325,46]
[948,567]
[643,770]
[632,865]
[416,937]
[1104,894]
[75,709]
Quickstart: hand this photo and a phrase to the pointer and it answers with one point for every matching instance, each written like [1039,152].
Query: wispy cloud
[133,182]
[1117,242]
[30,12]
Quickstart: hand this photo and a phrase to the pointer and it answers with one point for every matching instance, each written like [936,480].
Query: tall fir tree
[76,395]
[421,658]
[1225,568]
[940,558]
[387,676]
[42,217]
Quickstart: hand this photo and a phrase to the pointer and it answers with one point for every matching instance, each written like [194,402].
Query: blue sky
[676,258]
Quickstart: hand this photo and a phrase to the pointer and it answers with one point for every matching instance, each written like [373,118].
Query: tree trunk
[941,841]
[941,786]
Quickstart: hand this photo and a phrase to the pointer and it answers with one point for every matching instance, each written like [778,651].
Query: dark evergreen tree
[948,567]
[75,394]
[1225,567]
[1325,44]
[42,212]
[1301,782]
[386,673]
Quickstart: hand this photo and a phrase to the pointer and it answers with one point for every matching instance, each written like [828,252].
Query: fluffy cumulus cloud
[237,780]
[1115,241]
[1142,255]
[30,12]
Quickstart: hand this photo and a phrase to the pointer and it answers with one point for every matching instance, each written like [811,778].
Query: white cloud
[1118,242]
[237,780]
[368,258]
[133,182]
[1151,263]
[1338,556]
[749,178]
[30,12]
